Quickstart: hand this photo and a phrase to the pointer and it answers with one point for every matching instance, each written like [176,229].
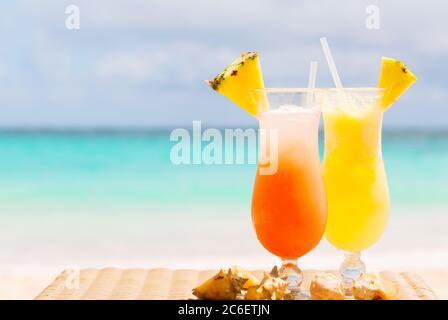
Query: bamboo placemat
[166,284]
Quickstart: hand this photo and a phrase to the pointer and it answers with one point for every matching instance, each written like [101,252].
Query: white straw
[330,61]
[312,76]
[311,81]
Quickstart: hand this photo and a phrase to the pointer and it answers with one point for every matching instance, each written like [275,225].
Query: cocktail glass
[354,175]
[288,202]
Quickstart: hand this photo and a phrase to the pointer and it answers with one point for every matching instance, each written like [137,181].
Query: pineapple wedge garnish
[238,81]
[396,78]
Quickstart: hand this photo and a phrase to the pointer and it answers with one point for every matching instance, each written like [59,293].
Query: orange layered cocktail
[288,203]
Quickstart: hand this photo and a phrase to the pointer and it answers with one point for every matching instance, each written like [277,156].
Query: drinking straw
[330,61]
[311,82]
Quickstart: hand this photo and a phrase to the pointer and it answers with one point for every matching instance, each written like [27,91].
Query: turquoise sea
[125,170]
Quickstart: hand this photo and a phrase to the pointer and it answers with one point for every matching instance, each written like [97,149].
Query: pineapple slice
[238,80]
[396,78]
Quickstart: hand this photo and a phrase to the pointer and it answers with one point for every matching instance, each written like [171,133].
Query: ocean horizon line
[166,129]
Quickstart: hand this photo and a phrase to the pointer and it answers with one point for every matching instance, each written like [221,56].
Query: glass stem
[351,269]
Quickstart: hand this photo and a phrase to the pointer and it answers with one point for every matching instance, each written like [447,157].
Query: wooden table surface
[168,284]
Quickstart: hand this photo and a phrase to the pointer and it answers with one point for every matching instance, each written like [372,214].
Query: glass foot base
[299,295]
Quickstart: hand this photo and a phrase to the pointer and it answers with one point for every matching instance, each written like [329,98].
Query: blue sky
[142,63]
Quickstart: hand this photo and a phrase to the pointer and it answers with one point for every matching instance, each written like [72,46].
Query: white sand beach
[414,241]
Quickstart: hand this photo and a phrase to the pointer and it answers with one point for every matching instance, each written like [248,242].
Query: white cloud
[125,66]
[176,62]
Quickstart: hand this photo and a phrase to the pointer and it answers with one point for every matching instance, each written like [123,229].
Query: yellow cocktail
[353,169]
